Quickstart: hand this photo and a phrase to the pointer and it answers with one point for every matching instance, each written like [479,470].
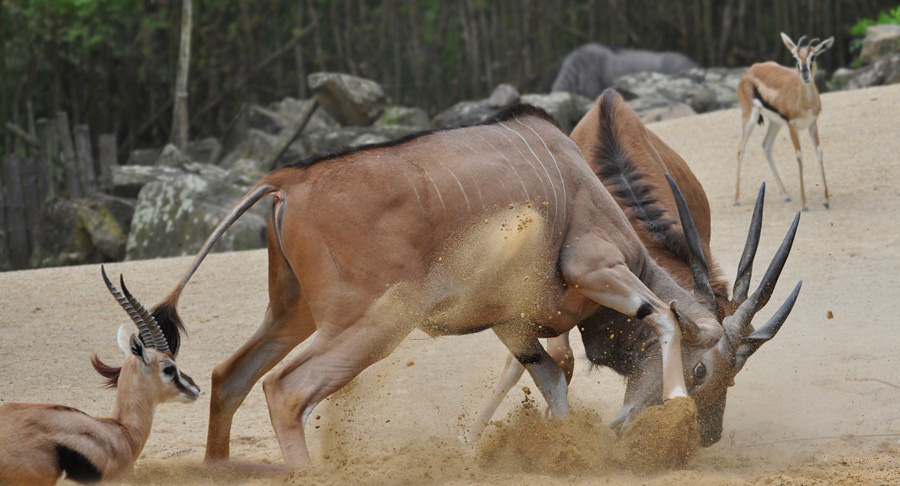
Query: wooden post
[108,151]
[49,160]
[85,158]
[16,226]
[31,194]
[4,233]
[67,156]
[180,120]
[43,174]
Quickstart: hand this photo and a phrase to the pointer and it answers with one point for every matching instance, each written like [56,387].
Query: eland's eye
[699,372]
[169,370]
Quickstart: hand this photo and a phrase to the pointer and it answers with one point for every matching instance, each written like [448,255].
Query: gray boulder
[175,215]
[206,150]
[702,89]
[404,116]
[881,41]
[265,120]
[349,99]
[257,145]
[340,138]
[82,231]
[566,108]
[172,157]
[292,108]
[463,113]
[885,70]
[503,96]
[143,156]
[657,109]
[128,180]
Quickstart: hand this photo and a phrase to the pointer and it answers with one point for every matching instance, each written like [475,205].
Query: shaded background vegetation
[111,63]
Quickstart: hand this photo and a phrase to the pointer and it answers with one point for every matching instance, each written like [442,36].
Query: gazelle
[643,174]
[41,443]
[784,96]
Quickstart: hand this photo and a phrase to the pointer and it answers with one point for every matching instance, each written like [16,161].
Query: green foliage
[858,30]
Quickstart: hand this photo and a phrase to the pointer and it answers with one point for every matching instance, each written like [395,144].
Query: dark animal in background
[591,68]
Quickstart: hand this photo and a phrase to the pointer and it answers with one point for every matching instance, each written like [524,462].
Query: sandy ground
[798,414]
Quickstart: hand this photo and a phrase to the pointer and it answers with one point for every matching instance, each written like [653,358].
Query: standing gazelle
[43,442]
[784,97]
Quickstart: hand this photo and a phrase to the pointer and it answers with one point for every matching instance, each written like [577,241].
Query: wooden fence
[51,159]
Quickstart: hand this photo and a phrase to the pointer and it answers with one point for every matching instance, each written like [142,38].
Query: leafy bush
[891,16]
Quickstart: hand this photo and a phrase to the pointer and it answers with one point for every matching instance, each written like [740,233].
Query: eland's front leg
[544,370]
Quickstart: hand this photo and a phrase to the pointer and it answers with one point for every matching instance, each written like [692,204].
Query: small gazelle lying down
[784,96]
[41,443]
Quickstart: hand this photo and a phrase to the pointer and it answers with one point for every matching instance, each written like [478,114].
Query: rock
[82,231]
[566,108]
[350,100]
[128,180]
[144,156]
[174,216]
[257,145]
[402,115]
[657,109]
[462,114]
[703,89]
[885,70]
[268,121]
[502,96]
[339,138]
[206,150]
[881,40]
[292,108]
[172,157]
[368,138]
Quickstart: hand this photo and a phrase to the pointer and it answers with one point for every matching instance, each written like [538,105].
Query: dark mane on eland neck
[518,110]
[627,183]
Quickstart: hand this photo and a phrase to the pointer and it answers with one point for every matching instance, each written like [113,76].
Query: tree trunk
[180,123]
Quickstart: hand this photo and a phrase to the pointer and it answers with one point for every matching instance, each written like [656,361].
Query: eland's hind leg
[330,361]
[287,323]
[597,270]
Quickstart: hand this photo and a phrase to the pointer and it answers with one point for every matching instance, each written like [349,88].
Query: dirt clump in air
[662,437]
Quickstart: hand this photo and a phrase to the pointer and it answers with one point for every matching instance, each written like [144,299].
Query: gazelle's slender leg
[814,135]
[796,141]
[544,370]
[748,129]
[594,268]
[768,142]
[512,373]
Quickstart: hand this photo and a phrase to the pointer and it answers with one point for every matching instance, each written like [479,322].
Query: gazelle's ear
[138,349]
[788,42]
[824,45]
[122,338]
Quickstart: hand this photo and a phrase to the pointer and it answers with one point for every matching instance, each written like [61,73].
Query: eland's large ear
[138,349]
[123,338]
[788,42]
[824,45]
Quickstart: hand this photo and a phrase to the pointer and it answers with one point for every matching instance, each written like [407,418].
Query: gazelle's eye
[169,370]
[699,372]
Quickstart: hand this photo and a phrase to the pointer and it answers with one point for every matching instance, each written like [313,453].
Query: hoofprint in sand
[798,412]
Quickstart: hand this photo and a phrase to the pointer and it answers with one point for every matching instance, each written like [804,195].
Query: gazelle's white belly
[805,121]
